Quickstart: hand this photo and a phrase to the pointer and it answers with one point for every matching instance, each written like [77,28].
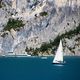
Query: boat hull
[59,62]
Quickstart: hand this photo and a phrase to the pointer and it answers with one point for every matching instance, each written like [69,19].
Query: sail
[59,54]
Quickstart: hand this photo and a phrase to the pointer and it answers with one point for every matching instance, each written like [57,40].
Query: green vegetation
[71,33]
[52,44]
[45,46]
[35,52]
[0,3]
[43,13]
[31,50]
[15,24]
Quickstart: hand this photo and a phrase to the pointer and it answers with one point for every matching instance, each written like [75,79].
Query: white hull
[59,62]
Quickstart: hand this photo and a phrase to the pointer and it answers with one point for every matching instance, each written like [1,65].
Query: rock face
[44,20]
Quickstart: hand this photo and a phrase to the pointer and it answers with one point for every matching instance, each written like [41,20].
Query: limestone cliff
[44,20]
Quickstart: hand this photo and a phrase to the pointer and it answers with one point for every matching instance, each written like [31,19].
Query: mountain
[36,26]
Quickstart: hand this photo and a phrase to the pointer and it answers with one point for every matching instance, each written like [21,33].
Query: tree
[13,23]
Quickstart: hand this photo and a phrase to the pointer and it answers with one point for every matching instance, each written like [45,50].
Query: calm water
[39,69]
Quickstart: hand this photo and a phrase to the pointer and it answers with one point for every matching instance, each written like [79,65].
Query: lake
[35,68]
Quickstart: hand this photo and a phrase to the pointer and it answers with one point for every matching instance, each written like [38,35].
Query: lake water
[39,69]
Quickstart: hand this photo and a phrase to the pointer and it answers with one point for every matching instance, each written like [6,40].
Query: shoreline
[37,56]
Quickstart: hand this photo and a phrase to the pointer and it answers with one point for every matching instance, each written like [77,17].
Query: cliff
[43,21]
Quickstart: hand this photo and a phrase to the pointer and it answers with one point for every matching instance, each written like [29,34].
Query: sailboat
[58,59]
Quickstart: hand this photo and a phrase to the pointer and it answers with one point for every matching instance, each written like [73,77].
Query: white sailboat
[59,54]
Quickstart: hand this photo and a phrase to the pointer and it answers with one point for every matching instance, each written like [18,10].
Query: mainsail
[59,54]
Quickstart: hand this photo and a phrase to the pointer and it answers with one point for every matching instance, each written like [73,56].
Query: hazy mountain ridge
[60,16]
